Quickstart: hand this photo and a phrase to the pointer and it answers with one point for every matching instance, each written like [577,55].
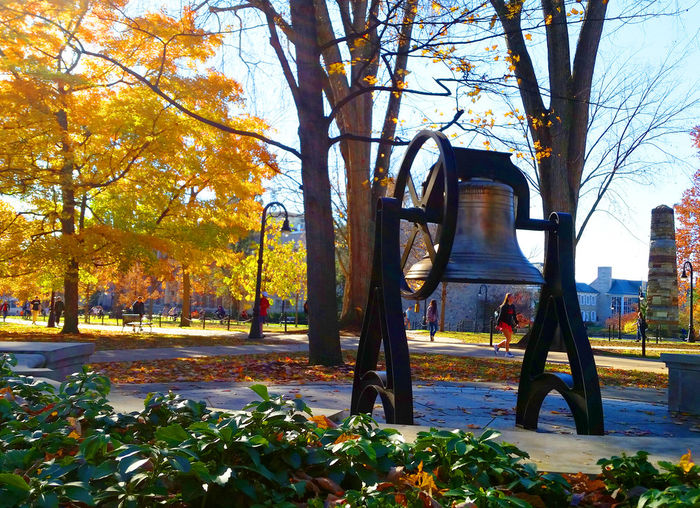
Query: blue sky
[618,234]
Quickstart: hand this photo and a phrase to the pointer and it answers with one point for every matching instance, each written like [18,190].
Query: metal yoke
[558,308]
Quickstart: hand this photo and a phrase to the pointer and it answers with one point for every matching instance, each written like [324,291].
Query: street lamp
[691,332]
[486,299]
[619,318]
[255,325]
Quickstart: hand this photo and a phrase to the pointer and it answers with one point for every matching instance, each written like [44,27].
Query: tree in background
[284,269]
[79,133]
[688,235]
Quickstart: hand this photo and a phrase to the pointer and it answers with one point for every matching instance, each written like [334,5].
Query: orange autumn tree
[77,132]
[688,230]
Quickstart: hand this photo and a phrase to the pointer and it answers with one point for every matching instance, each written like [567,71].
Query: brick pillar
[662,288]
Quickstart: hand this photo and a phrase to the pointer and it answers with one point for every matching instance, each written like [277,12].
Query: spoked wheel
[431,216]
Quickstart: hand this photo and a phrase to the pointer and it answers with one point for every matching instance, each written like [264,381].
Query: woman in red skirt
[507,322]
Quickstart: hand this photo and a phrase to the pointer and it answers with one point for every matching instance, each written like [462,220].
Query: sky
[618,234]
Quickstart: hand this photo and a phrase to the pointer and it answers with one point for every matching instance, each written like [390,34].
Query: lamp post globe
[256,323]
[688,273]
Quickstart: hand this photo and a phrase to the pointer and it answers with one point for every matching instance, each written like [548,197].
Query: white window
[593,316]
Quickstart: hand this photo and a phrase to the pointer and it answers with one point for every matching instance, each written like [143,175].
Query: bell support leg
[559,309]
[383,324]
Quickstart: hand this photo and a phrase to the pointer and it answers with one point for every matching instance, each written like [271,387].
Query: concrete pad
[61,358]
[571,454]
[683,373]
[30,360]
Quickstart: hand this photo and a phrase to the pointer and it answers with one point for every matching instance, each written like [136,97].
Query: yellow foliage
[336,68]
[686,462]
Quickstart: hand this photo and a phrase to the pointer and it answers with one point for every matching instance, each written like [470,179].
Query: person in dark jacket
[58,308]
[138,307]
[507,323]
[641,327]
[36,307]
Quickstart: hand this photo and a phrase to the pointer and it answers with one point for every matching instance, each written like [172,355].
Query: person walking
[506,323]
[4,308]
[641,327]
[264,305]
[58,307]
[431,317]
[35,307]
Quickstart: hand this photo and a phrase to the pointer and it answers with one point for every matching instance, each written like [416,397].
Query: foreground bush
[68,447]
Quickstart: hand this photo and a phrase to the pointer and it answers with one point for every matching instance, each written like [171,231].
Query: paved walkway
[635,419]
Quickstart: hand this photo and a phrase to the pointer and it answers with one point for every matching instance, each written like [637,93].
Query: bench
[135,320]
[683,375]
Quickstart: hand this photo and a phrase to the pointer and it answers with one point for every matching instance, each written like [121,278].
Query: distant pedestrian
[58,307]
[4,308]
[641,327]
[406,322]
[432,318]
[36,307]
[138,307]
[507,322]
[264,306]
[173,313]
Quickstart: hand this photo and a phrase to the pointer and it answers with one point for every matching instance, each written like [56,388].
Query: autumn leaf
[323,422]
[686,462]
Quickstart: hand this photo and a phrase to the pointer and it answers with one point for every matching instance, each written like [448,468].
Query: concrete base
[54,360]
[683,376]
[571,454]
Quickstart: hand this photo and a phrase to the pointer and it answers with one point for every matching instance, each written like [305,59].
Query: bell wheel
[426,186]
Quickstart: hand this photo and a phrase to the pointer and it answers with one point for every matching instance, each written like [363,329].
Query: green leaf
[180,463]
[172,434]
[135,465]
[14,481]
[78,491]
[261,390]
[47,500]
[489,434]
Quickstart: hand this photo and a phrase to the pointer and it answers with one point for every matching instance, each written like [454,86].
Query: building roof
[625,287]
[582,287]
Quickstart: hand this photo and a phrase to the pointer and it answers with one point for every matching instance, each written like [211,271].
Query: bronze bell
[485,247]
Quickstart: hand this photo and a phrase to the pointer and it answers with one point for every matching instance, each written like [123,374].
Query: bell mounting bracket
[558,311]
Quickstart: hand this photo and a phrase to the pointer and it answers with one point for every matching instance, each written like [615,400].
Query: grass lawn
[105,339]
[294,367]
[624,347]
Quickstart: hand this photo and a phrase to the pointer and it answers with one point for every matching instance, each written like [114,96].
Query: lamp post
[619,318]
[255,325]
[486,299]
[691,332]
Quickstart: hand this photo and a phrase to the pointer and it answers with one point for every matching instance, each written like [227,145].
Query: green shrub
[68,447]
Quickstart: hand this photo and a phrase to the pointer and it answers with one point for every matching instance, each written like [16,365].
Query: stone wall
[662,288]
[466,310]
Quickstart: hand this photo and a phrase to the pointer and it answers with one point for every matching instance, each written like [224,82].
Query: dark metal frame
[691,331]
[558,309]
[255,325]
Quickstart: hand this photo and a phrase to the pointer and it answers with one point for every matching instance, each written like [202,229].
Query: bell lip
[514,282]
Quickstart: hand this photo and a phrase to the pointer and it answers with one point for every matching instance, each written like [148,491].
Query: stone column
[662,288]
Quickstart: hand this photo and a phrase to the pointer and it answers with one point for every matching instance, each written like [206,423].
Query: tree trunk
[324,338]
[186,290]
[52,314]
[86,310]
[443,300]
[359,222]
[70,282]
